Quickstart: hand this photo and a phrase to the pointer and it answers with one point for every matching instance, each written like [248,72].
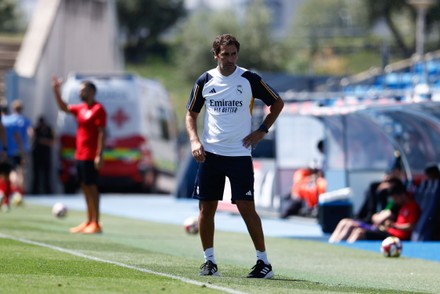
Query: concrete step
[9,45]
[8,55]
[6,63]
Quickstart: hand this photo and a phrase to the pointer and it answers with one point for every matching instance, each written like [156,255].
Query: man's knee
[246,208]
[208,208]
[348,222]
[357,233]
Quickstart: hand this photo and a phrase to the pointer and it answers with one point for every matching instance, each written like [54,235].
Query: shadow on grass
[299,284]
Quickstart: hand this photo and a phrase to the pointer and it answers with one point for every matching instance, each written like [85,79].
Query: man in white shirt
[228,92]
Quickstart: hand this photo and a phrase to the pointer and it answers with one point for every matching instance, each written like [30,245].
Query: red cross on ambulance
[119,118]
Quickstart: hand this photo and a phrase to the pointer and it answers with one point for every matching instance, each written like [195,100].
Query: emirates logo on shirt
[225,106]
[224,103]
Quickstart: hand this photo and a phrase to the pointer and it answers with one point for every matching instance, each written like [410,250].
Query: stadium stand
[8,54]
[427,196]
[407,79]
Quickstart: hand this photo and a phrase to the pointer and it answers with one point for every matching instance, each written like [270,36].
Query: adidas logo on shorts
[249,193]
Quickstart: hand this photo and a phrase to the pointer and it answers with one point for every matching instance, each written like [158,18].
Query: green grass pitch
[39,255]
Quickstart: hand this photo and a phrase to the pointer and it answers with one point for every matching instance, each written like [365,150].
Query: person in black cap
[376,197]
[432,171]
[385,223]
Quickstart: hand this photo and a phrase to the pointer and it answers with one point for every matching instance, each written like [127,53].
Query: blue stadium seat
[392,81]
[378,82]
[427,196]
[418,67]
[433,67]
[406,80]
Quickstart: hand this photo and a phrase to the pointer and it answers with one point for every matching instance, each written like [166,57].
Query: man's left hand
[253,139]
[99,162]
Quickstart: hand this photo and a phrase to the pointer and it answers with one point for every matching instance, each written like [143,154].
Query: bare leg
[89,201]
[92,197]
[356,234]
[253,223]
[206,223]
[92,200]
[20,177]
[343,230]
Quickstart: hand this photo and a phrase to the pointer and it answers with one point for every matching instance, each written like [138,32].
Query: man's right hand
[56,83]
[198,152]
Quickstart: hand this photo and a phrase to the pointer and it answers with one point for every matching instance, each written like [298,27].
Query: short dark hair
[224,40]
[432,170]
[396,187]
[89,85]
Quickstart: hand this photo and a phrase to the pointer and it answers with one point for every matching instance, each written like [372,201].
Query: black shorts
[211,177]
[87,173]
[5,167]
[16,161]
[376,234]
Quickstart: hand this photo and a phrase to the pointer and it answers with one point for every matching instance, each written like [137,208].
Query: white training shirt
[228,101]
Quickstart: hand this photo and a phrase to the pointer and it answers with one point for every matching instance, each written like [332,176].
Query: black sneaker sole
[269,275]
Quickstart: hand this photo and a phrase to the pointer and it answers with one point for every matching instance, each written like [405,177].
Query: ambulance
[141,134]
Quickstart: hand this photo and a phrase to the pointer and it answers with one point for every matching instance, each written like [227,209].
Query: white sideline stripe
[79,254]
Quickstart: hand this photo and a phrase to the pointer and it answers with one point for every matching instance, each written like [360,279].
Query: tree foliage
[388,10]
[10,17]
[330,15]
[145,21]
[320,41]
[192,50]
[319,26]
[257,51]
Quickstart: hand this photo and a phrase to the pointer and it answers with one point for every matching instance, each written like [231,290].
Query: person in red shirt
[5,169]
[385,223]
[91,118]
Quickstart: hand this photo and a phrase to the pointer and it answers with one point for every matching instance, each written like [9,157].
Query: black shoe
[261,271]
[209,269]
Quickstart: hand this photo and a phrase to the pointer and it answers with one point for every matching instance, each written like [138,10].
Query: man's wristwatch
[263,128]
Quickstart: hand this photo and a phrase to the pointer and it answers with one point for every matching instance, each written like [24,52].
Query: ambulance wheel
[150,181]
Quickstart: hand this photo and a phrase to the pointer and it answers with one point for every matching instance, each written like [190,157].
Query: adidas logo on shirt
[212,91]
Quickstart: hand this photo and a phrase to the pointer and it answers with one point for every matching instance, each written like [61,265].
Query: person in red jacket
[308,184]
[91,118]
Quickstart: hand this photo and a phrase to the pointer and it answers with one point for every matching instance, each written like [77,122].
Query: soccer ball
[391,247]
[191,225]
[59,210]
[17,199]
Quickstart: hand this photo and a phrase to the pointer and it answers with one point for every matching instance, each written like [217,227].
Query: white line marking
[79,254]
